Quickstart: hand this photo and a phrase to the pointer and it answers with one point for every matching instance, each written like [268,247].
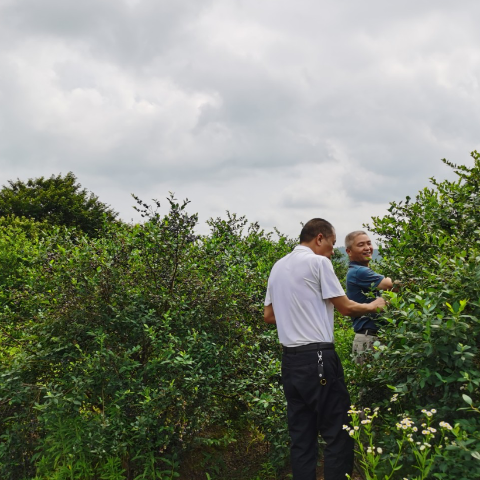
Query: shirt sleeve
[366,277]
[329,283]
[268,300]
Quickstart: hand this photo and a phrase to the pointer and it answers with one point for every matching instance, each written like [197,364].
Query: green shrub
[132,346]
[120,353]
[429,354]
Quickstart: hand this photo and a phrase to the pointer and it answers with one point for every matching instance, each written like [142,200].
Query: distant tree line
[58,200]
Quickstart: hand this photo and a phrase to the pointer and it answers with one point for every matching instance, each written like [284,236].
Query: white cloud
[278,110]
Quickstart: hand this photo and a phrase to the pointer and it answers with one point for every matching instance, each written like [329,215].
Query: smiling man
[362,280]
[302,293]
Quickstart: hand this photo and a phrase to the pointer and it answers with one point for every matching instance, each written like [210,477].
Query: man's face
[361,249]
[325,245]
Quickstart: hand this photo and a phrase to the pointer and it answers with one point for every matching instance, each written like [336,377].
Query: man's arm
[268,314]
[349,308]
[385,284]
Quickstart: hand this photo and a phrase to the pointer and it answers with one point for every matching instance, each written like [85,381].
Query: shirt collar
[356,263]
[303,247]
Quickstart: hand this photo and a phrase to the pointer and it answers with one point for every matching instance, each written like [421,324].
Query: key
[321,374]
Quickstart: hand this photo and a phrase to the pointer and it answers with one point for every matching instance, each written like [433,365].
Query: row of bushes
[119,353]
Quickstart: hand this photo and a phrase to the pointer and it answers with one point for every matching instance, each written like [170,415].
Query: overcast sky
[278,110]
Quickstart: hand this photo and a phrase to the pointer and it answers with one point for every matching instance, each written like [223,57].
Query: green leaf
[475,455]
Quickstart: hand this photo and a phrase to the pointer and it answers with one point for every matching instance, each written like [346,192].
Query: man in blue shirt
[362,280]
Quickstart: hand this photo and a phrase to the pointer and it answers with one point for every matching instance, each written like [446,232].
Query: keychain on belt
[321,376]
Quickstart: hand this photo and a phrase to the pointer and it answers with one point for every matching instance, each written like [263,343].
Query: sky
[277,110]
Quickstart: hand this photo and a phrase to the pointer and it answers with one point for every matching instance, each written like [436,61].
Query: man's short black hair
[315,226]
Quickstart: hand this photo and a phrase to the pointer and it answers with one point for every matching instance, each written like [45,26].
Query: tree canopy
[58,200]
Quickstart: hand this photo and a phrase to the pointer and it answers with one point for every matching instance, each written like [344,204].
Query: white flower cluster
[424,445]
[366,420]
[445,425]
[351,431]
[406,424]
[352,411]
[372,450]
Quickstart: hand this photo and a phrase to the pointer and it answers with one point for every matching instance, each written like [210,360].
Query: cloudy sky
[278,110]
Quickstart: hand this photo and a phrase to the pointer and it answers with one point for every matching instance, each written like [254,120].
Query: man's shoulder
[369,270]
[302,256]
[292,256]
[358,272]
[355,267]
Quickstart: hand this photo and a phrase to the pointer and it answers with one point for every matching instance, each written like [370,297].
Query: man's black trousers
[313,408]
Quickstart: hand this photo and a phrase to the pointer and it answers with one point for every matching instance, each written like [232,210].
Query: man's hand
[378,304]
[396,286]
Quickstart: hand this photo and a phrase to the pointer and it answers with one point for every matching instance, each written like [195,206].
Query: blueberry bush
[123,351]
[429,354]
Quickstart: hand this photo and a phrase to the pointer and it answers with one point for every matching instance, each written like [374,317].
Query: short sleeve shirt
[299,288]
[362,280]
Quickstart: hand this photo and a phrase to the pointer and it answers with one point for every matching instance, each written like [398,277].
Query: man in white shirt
[301,295]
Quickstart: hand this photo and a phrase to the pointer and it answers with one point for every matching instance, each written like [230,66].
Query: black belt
[368,331]
[309,347]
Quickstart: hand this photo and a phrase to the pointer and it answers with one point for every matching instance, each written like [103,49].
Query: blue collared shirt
[362,280]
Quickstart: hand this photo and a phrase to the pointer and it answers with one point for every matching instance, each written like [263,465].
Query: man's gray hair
[352,236]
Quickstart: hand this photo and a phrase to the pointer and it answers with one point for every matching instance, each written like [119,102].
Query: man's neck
[309,245]
[365,263]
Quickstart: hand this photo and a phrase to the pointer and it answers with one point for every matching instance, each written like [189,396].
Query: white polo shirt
[299,288]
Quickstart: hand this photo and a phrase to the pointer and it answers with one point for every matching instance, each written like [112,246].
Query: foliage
[420,444]
[429,351]
[120,352]
[57,200]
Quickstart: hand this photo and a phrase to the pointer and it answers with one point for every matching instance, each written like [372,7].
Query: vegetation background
[139,352]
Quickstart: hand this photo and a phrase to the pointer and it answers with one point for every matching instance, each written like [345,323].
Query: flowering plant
[425,441]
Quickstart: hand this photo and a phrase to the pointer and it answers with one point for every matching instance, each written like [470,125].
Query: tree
[57,200]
